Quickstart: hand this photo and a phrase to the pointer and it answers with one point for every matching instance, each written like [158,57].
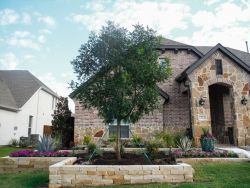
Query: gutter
[8,108]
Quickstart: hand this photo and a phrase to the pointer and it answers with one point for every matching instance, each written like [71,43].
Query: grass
[214,175]
[24,180]
[5,151]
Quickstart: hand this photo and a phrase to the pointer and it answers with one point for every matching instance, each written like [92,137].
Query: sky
[43,36]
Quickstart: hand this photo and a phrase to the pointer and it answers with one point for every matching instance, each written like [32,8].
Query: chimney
[247,47]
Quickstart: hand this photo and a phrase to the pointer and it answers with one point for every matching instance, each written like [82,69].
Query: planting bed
[65,174]
[109,158]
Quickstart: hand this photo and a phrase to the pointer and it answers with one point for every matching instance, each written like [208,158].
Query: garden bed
[109,158]
[66,174]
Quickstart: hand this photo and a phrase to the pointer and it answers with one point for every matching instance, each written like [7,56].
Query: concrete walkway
[237,150]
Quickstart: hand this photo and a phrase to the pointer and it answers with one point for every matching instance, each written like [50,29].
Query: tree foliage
[118,72]
[61,121]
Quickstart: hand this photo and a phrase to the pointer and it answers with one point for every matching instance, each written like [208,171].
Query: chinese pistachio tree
[117,73]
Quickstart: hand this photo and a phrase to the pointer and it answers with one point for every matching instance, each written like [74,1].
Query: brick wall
[174,115]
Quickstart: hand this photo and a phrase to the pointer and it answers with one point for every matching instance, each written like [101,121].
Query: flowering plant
[30,153]
[203,154]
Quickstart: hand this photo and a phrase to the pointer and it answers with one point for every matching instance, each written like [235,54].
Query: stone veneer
[24,164]
[64,174]
[238,81]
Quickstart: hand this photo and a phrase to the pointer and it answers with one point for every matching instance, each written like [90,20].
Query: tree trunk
[118,144]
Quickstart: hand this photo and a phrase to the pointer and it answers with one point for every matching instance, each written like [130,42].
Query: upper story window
[219,68]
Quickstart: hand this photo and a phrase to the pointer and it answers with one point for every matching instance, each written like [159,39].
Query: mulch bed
[109,158]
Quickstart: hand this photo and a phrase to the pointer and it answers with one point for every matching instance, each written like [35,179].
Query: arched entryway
[221,109]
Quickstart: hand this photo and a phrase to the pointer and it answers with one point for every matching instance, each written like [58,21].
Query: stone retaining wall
[24,164]
[64,174]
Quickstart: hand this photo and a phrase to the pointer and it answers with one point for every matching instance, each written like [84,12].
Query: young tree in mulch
[118,72]
[61,124]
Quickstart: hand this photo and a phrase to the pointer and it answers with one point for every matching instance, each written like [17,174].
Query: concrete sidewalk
[237,150]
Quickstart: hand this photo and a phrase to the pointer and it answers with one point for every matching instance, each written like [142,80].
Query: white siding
[39,106]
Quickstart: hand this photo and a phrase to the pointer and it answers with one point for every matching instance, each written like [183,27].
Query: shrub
[46,144]
[23,143]
[58,141]
[91,147]
[14,142]
[166,138]
[30,153]
[202,154]
[137,140]
[152,148]
[184,143]
[87,139]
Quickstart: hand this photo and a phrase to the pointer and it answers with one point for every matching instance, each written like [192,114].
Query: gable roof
[17,87]
[240,58]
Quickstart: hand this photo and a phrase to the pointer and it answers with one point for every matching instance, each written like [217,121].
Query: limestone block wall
[64,174]
[24,164]
[233,76]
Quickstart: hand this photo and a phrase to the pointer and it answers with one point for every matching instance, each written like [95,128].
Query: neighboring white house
[26,105]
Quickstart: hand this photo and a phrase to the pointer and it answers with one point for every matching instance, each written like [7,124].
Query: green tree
[61,125]
[118,72]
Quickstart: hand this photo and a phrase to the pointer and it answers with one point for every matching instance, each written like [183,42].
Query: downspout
[189,104]
[37,108]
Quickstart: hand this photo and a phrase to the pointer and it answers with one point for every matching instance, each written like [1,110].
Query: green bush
[87,139]
[137,141]
[91,147]
[152,148]
[14,142]
[23,143]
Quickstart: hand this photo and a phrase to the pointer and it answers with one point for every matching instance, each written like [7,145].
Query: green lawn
[5,151]
[214,175]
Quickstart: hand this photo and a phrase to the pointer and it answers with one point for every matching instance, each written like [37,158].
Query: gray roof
[169,42]
[17,87]
[243,56]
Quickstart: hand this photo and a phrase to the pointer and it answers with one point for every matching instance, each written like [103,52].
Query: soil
[109,158]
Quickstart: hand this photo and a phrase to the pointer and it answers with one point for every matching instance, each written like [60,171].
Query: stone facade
[63,174]
[182,112]
[237,80]
[24,164]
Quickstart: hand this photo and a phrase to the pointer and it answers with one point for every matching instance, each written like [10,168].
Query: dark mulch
[109,158]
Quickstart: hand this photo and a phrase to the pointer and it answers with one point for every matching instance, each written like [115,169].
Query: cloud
[26,19]
[8,16]
[9,61]
[163,16]
[23,39]
[49,21]
[60,87]
[28,57]
[228,23]
[42,39]
[44,31]
[211,2]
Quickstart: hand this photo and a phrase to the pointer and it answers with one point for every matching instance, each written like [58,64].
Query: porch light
[244,100]
[201,101]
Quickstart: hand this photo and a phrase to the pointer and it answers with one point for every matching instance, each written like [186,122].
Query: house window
[219,69]
[124,128]
[30,125]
